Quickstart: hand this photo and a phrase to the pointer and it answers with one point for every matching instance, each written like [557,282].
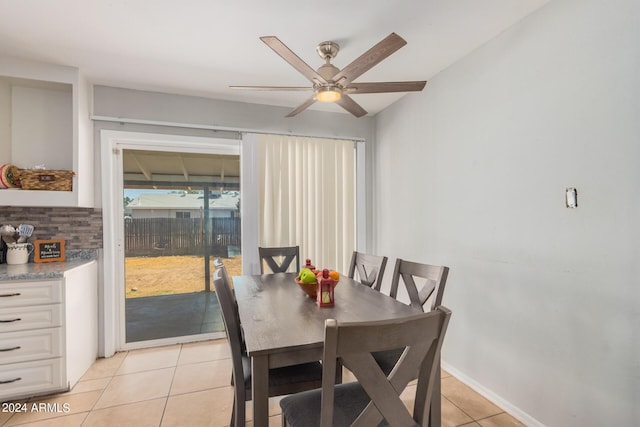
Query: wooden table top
[277,316]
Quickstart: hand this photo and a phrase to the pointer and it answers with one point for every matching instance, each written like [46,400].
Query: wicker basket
[45,179]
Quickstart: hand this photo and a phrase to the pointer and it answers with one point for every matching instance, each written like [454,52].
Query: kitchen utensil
[8,233]
[24,231]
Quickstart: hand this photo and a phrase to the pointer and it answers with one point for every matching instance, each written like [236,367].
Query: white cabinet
[23,341]
[48,332]
[44,120]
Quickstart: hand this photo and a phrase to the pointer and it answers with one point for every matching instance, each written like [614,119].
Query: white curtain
[307,197]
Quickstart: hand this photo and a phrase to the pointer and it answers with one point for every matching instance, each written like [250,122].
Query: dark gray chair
[375,396]
[435,279]
[279,259]
[369,269]
[286,380]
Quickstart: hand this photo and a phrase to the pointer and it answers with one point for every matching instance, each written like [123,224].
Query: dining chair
[285,380]
[219,265]
[369,269]
[279,259]
[434,279]
[375,395]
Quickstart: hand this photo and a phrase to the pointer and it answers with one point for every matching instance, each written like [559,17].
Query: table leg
[435,414]
[260,390]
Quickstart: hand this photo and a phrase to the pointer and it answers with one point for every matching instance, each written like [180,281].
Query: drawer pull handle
[11,349]
[10,321]
[10,295]
[10,381]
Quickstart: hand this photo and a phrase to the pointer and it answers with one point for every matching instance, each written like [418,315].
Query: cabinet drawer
[24,346]
[23,318]
[25,379]
[16,294]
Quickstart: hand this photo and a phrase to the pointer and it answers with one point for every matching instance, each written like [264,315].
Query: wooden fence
[179,236]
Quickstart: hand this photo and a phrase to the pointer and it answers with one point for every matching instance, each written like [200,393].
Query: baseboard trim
[509,407]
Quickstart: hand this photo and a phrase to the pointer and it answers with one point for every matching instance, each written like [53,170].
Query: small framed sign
[48,250]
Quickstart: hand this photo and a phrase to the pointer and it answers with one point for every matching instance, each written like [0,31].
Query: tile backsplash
[81,228]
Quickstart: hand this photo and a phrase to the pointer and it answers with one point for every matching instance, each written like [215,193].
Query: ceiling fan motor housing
[328,50]
[327,71]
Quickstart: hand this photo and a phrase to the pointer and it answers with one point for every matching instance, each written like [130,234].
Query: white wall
[138,106]
[5,121]
[471,173]
[42,118]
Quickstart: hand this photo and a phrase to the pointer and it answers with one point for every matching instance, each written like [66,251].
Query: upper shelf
[44,121]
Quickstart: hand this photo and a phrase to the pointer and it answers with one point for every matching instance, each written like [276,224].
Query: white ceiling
[201,47]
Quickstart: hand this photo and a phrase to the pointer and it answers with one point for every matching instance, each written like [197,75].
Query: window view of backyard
[165,239]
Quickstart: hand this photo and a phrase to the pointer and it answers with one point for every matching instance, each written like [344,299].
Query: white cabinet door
[23,346]
[24,318]
[24,379]
[17,293]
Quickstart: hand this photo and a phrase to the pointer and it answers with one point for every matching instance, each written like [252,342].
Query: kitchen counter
[47,270]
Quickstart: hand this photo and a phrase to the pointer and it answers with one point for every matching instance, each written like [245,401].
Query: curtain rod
[238,131]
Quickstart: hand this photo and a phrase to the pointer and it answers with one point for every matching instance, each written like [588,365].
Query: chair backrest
[421,336]
[370,269]
[231,320]
[435,280]
[279,259]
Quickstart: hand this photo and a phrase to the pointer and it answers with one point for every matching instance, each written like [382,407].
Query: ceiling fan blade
[384,87]
[294,60]
[306,104]
[369,59]
[351,106]
[283,88]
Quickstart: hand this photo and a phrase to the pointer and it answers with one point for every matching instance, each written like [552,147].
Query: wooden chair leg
[233,412]
[238,414]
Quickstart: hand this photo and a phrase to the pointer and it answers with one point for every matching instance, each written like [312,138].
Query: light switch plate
[571,198]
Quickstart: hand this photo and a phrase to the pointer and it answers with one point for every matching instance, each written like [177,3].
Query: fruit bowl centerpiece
[311,289]
[308,281]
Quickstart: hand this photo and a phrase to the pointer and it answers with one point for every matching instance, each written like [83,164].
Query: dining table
[282,326]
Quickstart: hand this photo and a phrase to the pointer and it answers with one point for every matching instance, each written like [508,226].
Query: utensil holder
[18,253]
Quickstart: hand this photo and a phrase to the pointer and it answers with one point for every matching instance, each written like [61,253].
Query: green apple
[307,276]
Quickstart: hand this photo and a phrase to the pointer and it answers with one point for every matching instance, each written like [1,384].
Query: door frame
[113,324]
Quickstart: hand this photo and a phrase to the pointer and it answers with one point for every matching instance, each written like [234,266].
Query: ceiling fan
[330,84]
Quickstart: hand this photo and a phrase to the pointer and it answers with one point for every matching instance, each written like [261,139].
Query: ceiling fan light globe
[328,94]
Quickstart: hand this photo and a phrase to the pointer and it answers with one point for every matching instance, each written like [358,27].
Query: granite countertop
[47,270]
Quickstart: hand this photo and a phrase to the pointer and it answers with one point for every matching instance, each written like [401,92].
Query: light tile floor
[188,385]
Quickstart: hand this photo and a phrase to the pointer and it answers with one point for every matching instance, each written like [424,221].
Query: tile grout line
[490,416]
[461,410]
[166,401]
[104,389]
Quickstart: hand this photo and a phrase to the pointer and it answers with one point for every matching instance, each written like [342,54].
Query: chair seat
[303,409]
[285,376]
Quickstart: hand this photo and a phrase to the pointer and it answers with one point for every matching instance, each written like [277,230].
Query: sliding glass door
[176,207]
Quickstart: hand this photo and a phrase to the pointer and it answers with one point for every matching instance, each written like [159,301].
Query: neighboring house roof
[227,201]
